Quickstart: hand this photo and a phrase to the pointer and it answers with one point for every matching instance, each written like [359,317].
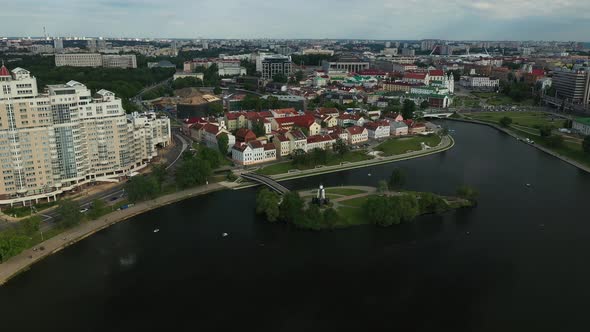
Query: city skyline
[379,19]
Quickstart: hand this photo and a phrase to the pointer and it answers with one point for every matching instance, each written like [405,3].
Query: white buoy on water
[224,234]
[156,230]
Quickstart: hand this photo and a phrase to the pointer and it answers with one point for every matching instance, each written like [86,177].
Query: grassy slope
[395,146]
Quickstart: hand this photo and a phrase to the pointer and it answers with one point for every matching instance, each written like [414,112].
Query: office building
[67,137]
[572,86]
[96,60]
[350,63]
[272,64]
[91,45]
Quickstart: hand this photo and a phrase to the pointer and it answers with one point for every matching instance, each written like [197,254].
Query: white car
[84,210]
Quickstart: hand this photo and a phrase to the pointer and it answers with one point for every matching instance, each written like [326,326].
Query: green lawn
[333,160]
[465,102]
[396,146]
[345,191]
[355,202]
[505,100]
[534,120]
[274,169]
[484,94]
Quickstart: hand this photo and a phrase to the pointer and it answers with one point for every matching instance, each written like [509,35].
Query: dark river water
[517,262]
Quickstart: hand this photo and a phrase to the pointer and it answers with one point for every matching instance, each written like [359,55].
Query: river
[519,261]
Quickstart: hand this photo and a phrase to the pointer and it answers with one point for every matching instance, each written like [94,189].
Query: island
[342,207]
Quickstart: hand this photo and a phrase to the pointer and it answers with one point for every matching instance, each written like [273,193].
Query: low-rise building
[357,135]
[378,130]
[479,82]
[348,119]
[252,153]
[297,140]
[323,142]
[581,125]
[244,135]
[306,121]
[282,144]
[398,128]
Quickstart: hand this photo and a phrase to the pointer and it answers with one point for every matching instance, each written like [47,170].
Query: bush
[505,121]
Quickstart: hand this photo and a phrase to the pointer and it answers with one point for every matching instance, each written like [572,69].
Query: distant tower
[321,194]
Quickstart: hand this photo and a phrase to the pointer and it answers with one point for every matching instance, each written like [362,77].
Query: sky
[352,19]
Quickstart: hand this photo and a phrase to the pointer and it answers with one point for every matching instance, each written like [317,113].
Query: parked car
[84,210]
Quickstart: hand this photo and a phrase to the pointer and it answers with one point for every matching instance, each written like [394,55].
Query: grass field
[355,202]
[345,191]
[281,168]
[497,99]
[396,146]
[533,120]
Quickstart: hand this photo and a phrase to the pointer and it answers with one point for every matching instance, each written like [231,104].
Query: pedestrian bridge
[437,115]
[266,181]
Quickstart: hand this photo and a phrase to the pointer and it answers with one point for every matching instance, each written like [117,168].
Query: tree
[299,76]
[267,203]
[331,217]
[217,90]
[258,128]
[554,141]
[391,210]
[586,144]
[408,109]
[424,105]
[223,143]
[159,173]
[280,78]
[211,156]
[397,178]
[193,171]
[431,203]
[505,121]
[291,207]
[97,209]
[568,124]
[383,186]
[69,212]
[215,109]
[340,147]
[467,193]
[141,188]
[545,131]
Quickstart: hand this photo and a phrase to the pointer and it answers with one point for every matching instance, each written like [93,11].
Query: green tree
[554,141]
[12,243]
[299,76]
[258,128]
[467,193]
[408,109]
[30,226]
[69,212]
[505,121]
[431,203]
[331,217]
[424,105]
[383,186]
[223,143]
[291,207]
[192,171]
[141,188]
[397,178]
[568,124]
[211,156]
[340,147]
[215,109]
[545,131]
[280,78]
[217,90]
[267,203]
[586,144]
[97,209]
[159,173]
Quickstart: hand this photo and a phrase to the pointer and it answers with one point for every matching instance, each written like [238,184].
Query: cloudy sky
[371,19]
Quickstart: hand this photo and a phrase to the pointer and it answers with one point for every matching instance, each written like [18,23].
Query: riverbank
[447,143]
[25,259]
[516,136]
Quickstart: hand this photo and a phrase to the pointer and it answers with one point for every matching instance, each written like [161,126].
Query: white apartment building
[53,142]
[254,152]
[478,82]
[96,60]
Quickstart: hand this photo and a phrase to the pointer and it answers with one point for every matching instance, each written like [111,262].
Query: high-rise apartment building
[58,45]
[96,60]
[53,142]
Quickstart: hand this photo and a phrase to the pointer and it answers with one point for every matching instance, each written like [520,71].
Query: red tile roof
[538,72]
[282,138]
[269,146]
[211,128]
[355,130]
[232,115]
[4,71]
[415,76]
[319,138]
[305,120]
[297,134]
[285,111]
[256,144]
[436,72]
[245,135]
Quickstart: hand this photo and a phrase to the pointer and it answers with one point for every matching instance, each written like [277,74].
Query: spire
[3,70]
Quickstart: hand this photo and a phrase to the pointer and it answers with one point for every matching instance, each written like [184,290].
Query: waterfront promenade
[24,260]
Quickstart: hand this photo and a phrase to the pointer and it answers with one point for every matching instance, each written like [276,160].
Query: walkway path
[28,257]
